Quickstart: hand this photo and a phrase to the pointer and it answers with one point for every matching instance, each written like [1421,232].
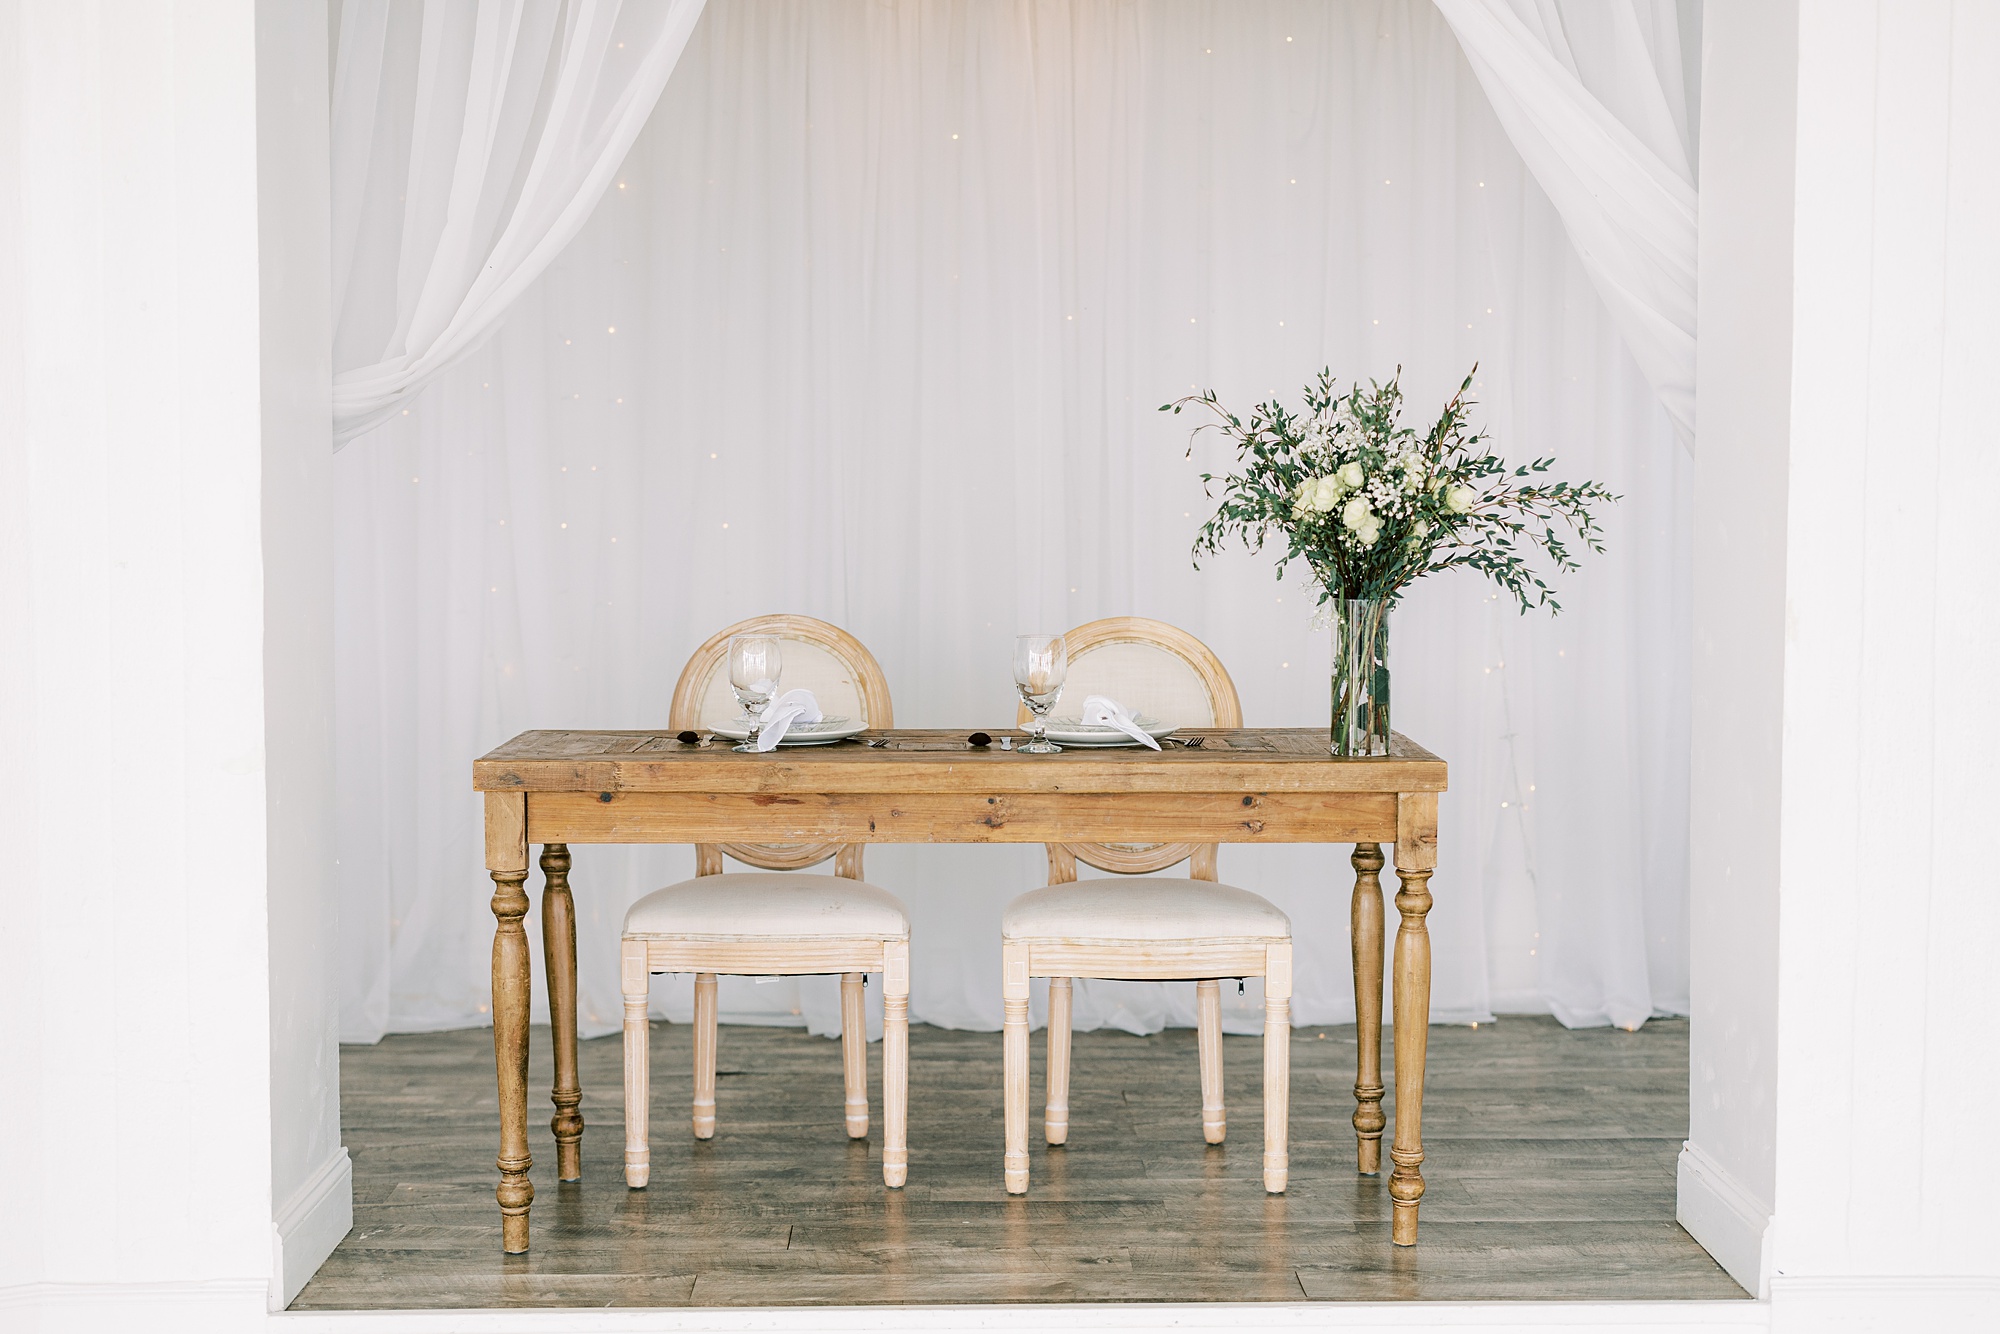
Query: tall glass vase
[1360,676]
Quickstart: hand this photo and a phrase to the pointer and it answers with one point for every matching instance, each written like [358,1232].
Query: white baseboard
[1731,1224]
[213,1306]
[1884,1304]
[309,1225]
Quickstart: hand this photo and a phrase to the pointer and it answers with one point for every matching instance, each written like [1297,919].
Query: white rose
[1420,529]
[1326,494]
[1458,499]
[1357,515]
[1351,475]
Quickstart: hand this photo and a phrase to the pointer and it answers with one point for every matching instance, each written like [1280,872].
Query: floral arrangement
[1372,505]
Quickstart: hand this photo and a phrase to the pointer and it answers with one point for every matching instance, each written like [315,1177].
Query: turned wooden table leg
[510,1056]
[1367,932]
[1416,856]
[559,953]
[507,861]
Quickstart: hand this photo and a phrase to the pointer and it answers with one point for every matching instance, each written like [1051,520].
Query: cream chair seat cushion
[757,905]
[1143,908]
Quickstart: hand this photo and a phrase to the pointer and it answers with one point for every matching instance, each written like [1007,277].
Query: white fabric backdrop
[471,142]
[1595,98]
[872,326]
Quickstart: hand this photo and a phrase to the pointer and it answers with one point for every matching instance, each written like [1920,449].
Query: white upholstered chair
[767,922]
[1153,929]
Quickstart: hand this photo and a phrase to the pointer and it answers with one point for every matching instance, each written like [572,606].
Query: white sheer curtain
[1594,97]
[872,325]
[471,142]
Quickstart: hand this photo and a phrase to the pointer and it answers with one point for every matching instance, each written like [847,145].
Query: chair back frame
[684,713]
[1137,859]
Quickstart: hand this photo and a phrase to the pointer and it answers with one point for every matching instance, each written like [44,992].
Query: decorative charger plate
[822,733]
[1075,732]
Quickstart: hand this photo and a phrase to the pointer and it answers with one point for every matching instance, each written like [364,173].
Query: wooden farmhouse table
[556,788]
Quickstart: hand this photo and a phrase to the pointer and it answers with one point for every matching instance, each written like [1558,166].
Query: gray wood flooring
[1550,1168]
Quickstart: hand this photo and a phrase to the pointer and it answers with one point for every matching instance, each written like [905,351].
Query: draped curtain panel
[470,144]
[873,324]
[1594,96]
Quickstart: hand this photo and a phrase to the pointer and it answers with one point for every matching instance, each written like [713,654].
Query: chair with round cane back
[776,920]
[1158,928]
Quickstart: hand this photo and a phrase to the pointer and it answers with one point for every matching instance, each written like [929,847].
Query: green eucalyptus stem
[1371,506]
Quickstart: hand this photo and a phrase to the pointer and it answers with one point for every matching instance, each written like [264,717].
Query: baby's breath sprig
[1371,506]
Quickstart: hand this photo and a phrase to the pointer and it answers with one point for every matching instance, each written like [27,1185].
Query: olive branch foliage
[1422,502]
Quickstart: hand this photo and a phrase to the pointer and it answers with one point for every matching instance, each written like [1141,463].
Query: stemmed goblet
[1040,664]
[754,664]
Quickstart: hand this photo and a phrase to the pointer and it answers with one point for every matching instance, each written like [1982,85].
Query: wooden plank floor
[1550,1168]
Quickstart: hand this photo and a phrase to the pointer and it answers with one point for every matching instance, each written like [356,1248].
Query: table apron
[955,817]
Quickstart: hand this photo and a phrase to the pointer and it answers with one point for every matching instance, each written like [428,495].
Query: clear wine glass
[1040,664]
[755,662]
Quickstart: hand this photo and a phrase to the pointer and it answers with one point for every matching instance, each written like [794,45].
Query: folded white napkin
[1102,711]
[777,717]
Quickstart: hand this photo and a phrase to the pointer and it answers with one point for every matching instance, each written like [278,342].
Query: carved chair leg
[704,1056]
[634,981]
[1055,1121]
[1367,921]
[895,1063]
[1277,1066]
[854,1053]
[559,954]
[1208,1040]
[1014,1058]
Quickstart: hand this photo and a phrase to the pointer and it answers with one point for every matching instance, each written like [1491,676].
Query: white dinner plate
[1076,732]
[822,733]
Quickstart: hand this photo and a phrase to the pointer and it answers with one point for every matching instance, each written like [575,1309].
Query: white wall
[1888,1075]
[151,785]
[20,989]
[1876,1075]
[311,1180]
[1743,397]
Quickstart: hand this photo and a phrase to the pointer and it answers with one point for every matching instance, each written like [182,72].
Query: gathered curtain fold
[470,143]
[1592,95]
